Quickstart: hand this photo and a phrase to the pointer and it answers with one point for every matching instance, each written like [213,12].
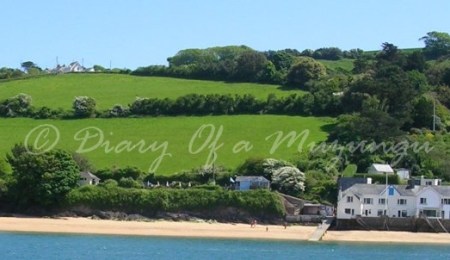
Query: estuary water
[59,246]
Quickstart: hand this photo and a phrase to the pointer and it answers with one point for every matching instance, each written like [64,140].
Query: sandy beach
[155,228]
[203,229]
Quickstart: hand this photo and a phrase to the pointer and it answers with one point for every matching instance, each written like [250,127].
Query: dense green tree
[307,53]
[269,74]
[249,66]
[423,113]
[390,55]
[374,123]
[391,85]
[98,68]
[19,105]
[4,169]
[331,53]
[189,57]
[437,44]
[416,61]
[251,167]
[446,77]
[282,60]
[48,113]
[9,73]
[42,179]
[353,53]
[434,162]
[436,72]
[303,70]
[128,182]
[84,107]
[119,111]
[361,64]
[443,95]
[117,174]
[30,68]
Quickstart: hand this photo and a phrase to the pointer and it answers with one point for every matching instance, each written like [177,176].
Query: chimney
[411,183]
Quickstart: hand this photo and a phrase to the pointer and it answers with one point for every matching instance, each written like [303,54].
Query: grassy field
[406,51]
[344,64]
[175,132]
[110,89]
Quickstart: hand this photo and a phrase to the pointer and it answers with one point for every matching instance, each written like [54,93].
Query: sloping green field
[343,64]
[109,89]
[109,142]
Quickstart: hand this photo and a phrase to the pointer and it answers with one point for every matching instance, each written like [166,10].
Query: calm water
[48,246]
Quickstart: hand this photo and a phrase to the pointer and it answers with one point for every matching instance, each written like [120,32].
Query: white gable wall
[433,200]
[343,204]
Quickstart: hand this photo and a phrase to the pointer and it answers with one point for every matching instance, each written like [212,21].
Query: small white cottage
[87,178]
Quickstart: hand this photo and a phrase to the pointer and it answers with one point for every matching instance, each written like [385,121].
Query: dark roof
[251,179]
[346,182]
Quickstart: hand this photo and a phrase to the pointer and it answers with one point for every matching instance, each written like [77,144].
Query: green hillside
[177,131]
[342,64]
[110,89]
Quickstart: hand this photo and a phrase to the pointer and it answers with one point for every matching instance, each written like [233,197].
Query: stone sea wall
[394,224]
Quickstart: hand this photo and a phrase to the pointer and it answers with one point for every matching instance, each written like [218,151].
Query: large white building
[423,196]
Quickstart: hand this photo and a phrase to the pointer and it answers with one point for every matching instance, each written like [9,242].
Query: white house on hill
[72,67]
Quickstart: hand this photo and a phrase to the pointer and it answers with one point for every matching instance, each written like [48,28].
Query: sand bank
[213,230]
[156,228]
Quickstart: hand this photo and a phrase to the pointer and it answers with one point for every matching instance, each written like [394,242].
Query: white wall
[343,204]
[432,196]
[394,206]
[446,209]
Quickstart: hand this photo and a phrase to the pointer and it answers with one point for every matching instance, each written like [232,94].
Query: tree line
[314,103]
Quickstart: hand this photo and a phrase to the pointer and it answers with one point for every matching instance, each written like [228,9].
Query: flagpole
[386,196]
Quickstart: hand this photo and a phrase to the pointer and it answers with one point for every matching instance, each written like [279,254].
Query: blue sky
[139,33]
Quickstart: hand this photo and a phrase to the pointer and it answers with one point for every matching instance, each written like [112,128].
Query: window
[423,201]
[349,199]
[445,201]
[428,183]
[347,211]
[380,213]
[368,201]
[401,201]
[381,201]
[391,191]
[404,213]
